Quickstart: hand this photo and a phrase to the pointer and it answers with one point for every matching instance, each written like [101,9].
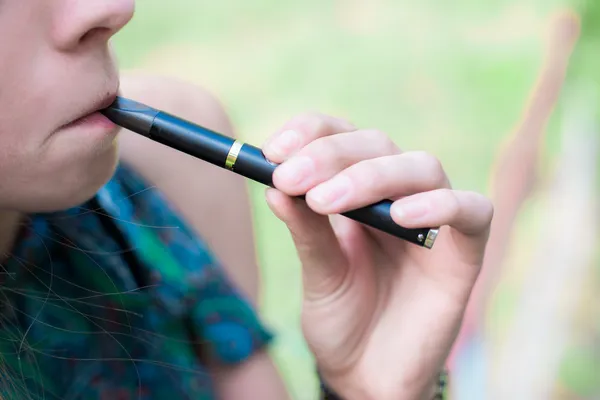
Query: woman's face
[56,71]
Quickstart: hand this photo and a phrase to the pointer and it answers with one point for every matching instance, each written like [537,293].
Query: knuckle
[312,124]
[490,211]
[383,139]
[317,127]
[488,207]
[342,124]
[305,116]
[431,167]
[305,123]
[449,201]
[366,173]
[323,148]
[347,125]
[374,134]
[428,162]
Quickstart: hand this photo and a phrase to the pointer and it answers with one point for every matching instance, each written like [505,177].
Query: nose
[84,21]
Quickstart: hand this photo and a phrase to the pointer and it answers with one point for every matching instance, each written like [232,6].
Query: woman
[113,285]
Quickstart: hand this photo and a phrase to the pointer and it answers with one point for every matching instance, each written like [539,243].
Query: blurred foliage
[586,62]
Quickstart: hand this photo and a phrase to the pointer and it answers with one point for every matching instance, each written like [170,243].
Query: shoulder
[213,201]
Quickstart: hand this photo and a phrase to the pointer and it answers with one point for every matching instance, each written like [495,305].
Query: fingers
[465,215]
[372,180]
[325,157]
[340,169]
[468,212]
[324,263]
[301,131]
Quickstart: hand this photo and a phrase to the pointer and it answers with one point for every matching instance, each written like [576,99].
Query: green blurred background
[450,77]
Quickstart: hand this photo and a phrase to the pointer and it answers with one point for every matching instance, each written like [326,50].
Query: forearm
[256,378]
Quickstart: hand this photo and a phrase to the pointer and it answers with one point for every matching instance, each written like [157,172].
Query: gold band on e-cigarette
[234,152]
[430,239]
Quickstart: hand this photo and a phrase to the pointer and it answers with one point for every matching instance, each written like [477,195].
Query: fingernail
[329,193]
[285,143]
[410,211]
[296,170]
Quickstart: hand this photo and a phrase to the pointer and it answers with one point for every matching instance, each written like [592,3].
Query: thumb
[324,264]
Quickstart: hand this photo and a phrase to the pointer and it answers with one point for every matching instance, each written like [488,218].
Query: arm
[216,204]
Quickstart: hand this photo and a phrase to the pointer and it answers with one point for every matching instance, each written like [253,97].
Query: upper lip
[98,105]
[105,102]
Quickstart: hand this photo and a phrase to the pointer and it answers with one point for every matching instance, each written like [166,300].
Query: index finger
[300,131]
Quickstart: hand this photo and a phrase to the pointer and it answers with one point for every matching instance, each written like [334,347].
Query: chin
[85,182]
[72,185]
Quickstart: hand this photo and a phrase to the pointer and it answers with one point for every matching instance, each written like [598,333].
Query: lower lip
[94,121]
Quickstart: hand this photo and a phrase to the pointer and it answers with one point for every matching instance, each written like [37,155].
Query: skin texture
[380,315]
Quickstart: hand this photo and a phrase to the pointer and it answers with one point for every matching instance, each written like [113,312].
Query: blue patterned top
[118,299]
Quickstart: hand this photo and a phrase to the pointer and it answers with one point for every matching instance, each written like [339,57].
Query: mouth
[93,111]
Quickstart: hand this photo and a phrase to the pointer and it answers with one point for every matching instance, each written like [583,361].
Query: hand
[380,314]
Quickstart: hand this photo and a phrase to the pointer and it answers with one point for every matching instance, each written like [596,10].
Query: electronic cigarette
[241,158]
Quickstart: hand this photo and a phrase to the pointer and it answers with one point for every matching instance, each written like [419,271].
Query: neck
[9,227]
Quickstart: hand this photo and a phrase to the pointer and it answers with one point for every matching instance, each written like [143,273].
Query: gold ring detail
[431,236]
[234,152]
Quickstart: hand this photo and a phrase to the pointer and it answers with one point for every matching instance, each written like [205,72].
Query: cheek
[24,121]
[27,67]
[13,148]
[20,141]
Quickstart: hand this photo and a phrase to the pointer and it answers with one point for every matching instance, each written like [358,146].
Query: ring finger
[373,180]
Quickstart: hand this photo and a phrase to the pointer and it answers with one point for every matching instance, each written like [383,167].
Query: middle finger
[325,157]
